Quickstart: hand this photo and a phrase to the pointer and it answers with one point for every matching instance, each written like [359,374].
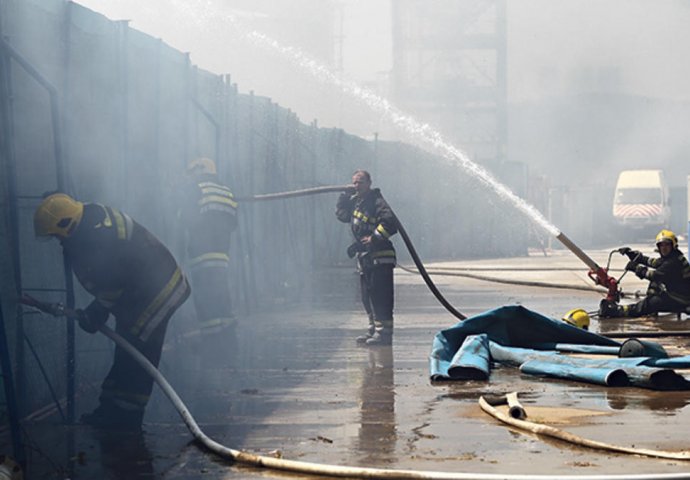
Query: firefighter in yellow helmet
[669,280]
[132,276]
[209,214]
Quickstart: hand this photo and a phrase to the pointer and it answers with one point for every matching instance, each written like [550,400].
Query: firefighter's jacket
[210,217]
[670,273]
[372,216]
[129,271]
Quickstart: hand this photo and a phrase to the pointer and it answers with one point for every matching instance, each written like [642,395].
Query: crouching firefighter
[373,223]
[669,280]
[210,216]
[132,276]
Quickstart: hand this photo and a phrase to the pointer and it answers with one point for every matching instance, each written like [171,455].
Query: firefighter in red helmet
[372,223]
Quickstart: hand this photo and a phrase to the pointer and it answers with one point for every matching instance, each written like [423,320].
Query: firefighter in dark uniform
[669,280]
[372,223]
[132,276]
[209,214]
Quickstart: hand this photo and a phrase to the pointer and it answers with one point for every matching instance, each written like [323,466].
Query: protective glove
[87,323]
[345,199]
[629,252]
[91,319]
[641,271]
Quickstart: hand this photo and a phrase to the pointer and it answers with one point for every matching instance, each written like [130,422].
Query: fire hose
[403,233]
[316,468]
[297,466]
[599,275]
[516,417]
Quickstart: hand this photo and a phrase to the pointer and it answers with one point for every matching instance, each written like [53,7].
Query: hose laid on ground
[550,431]
[333,470]
[515,282]
[642,334]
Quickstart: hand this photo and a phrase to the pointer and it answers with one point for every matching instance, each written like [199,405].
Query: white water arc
[204,14]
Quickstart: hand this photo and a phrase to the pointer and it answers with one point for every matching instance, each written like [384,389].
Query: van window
[638,195]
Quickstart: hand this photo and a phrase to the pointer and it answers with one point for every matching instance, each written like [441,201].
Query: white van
[641,199]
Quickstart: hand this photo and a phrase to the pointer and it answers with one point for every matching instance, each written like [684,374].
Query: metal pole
[6,143]
[213,122]
[8,384]
[67,268]
[61,184]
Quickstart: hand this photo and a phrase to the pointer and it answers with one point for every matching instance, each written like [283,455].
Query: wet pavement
[293,383]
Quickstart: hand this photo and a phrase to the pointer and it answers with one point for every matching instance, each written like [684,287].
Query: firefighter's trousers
[127,386]
[376,285]
[653,304]
[212,302]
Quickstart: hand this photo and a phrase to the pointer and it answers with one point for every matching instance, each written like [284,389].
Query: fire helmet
[57,215]
[577,317]
[667,236]
[202,165]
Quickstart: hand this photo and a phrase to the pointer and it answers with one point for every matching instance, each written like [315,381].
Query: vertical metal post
[8,137]
[8,383]
[62,179]
[185,107]
[375,159]
[7,146]
[62,175]
[123,77]
[687,193]
[501,81]
[156,125]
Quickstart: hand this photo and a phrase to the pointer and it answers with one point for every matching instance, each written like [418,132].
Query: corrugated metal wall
[133,112]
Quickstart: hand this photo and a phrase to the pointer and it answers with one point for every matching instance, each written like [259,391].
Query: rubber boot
[110,416]
[383,334]
[608,309]
[362,339]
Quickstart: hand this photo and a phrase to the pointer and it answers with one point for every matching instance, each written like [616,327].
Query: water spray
[422,132]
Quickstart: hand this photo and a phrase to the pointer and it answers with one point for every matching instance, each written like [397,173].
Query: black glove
[354,248]
[629,252]
[93,317]
[641,271]
[87,323]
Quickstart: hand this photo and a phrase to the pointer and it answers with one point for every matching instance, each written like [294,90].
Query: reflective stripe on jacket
[216,197]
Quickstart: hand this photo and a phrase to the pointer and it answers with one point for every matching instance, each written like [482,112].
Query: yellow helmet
[58,214]
[202,165]
[667,236]
[577,317]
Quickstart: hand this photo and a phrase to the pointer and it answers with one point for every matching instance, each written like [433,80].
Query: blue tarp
[517,336]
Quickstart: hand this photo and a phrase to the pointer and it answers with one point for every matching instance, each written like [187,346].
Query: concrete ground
[292,383]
